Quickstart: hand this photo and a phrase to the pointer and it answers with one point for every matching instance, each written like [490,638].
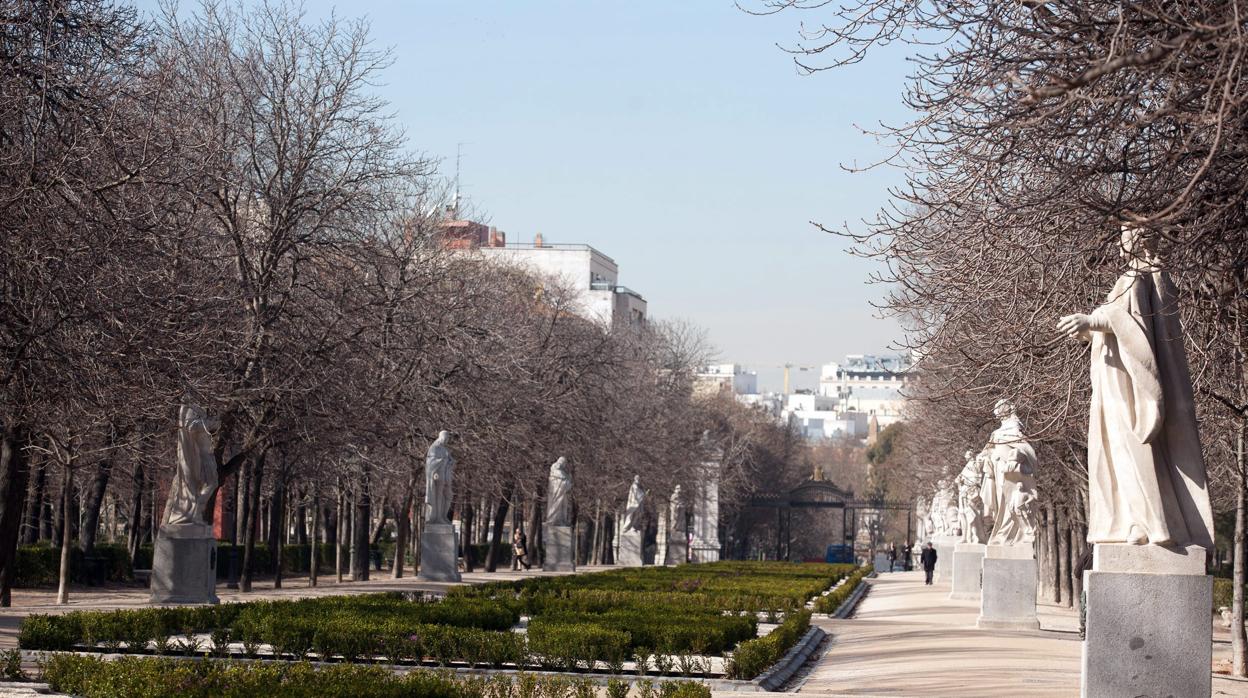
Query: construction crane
[787,368]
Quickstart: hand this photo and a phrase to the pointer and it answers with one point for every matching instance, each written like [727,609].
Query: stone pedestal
[944,558]
[1148,629]
[1009,589]
[560,549]
[184,565]
[968,565]
[677,553]
[439,554]
[630,554]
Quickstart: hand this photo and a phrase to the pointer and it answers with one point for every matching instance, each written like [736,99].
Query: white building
[869,385]
[726,378]
[592,276]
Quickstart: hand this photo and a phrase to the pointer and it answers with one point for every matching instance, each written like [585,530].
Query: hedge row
[668,631]
[165,678]
[830,602]
[753,657]
[40,565]
[349,625]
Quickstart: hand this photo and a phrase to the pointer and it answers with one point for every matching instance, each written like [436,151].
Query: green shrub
[753,657]
[830,602]
[135,677]
[571,644]
[40,565]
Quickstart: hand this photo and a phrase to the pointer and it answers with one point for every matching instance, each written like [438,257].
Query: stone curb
[852,602]
[782,671]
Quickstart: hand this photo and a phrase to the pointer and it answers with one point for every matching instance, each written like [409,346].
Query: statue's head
[969,454]
[676,491]
[1003,409]
[444,436]
[1136,242]
[189,413]
[636,479]
[559,464]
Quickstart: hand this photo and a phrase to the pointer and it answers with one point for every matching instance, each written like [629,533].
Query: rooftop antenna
[459,153]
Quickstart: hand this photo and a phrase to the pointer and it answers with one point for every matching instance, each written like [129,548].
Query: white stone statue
[439,476]
[970,503]
[559,494]
[1147,480]
[196,477]
[632,510]
[676,515]
[1014,479]
[922,530]
[945,510]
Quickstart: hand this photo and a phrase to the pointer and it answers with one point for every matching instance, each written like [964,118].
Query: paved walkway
[907,639]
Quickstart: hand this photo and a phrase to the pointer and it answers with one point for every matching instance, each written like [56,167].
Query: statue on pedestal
[1147,480]
[1014,465]
[970,502]
[676,515]
[559,494]
[632,510]
[195,480]
[439,476]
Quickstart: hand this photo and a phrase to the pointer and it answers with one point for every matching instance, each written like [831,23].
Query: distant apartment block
[591,276]
[730,379]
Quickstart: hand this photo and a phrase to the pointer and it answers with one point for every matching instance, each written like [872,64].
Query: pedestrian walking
[928,559]
[519,548]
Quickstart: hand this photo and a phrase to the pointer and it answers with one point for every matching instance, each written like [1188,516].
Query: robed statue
[559,494]
[439,476]
[970,502]
[632,509]
[1147,480]
[1013,482]
[195,479]
[676,514]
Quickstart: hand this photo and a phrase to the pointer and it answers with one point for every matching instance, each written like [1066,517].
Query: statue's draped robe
[970,502]
[1144,461]
[439,470]
[559,498]
[1011,482]
[195,478]
[632,510]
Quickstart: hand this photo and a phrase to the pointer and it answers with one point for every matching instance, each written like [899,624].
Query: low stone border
[852,602]
[782,671]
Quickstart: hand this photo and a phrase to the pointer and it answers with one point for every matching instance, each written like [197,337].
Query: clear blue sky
[673,136]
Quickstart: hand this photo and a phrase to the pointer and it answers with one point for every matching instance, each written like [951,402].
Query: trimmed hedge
[830,602]
[40,565]
[753,657]
[133,677]
[691,610]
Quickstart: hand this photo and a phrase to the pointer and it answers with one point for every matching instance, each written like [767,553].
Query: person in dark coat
[928,559]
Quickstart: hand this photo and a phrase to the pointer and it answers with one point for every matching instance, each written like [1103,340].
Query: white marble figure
[196,477]
[944,510]
[559,494]
[1147,480]
[632,510]
[439,476]
[1014,480]
[676,526]
[970,503]
[922,530]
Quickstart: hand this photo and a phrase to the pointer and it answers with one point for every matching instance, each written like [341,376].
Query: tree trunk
[1239,638]
[534,548]
[466,519]
[67,493]
[14,473]
[1050,544]
[34,506]
[402,525]
[313,554]
[95,499]
[1063,556]
[596,547]
[360,537]
[500,518]
[251,525]
[301,520]
[136,510]
[339,531]
[277,518]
